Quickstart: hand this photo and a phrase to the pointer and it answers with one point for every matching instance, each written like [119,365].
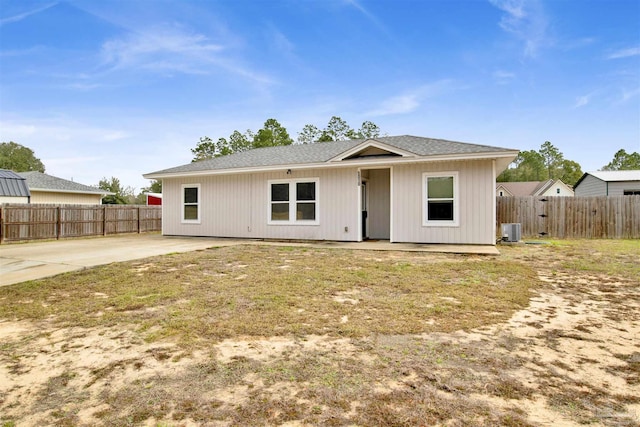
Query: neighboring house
[550,187]
[50,189]
[154,199]
[13,188]
[402,189]
[608,183]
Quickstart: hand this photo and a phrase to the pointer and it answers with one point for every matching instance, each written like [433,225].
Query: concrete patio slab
[21,262]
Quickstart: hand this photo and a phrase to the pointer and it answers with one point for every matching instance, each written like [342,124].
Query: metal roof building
[13,188]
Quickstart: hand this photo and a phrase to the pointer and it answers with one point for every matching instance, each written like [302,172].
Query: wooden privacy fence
[19,222]
[606,217]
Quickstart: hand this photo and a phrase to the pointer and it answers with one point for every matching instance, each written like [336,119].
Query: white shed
[401,189]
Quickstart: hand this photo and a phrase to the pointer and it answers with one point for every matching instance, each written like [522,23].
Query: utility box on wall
[511,232]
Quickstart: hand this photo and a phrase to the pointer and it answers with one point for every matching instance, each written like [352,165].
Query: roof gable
[372,148]
[525,188]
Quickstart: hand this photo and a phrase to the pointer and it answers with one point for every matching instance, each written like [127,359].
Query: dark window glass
[280,211]
[306,190]
[191,212]
[440,210]
[191,195]
[306,211]
[279,192]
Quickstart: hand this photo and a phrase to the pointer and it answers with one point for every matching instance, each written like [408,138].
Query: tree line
[274,134]
[531,165]
[549,163]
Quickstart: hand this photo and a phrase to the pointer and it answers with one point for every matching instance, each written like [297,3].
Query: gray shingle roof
[526,188]
[12,184]
[42,181]
[298,154]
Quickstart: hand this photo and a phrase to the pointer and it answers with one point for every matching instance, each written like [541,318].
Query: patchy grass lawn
[261,335]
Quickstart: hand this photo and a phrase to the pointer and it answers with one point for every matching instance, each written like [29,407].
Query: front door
[365,210]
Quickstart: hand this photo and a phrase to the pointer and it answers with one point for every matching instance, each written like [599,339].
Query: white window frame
[292,202]
[183,204]
[425,200]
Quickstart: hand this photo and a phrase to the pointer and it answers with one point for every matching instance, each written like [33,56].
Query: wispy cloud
[624,53]
[503,77]
[628,94]
[526,20]
[168,50]
[580,43]
[21,16]
[583,100]
[410,100]
[165,48]
[370,16]
[280,42]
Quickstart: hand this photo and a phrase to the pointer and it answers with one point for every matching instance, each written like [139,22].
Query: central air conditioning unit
[511,232]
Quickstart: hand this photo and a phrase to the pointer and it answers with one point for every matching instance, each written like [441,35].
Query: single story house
[397,188]
[550,187]
[50,189]
[608,183]
[13,188]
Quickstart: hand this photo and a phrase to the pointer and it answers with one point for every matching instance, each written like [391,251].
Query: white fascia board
[505,157]
[371,143]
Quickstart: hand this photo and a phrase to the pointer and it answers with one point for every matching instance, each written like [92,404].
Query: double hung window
[191,203]
[293,201]
[440,199]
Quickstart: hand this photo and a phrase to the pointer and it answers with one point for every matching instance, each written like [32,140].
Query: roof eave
[505,155]
[93,193]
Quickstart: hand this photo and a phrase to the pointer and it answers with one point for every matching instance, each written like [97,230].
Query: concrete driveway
[20,262]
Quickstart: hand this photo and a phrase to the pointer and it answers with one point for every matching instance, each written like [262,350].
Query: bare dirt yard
[545,334]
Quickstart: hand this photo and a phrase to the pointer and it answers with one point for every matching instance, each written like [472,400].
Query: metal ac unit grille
[511,232]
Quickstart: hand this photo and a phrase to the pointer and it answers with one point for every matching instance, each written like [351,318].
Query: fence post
[1,226]
[58,223]
[104,220]
[138,219]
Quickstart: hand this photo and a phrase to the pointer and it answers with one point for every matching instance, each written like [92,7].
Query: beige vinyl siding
[476,187]
[12,199]
[565,191]
[65,198]
[238,206]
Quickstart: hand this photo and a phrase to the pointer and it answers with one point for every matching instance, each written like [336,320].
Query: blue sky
[121,88]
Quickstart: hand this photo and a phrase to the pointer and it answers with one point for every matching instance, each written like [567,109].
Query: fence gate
[602,217]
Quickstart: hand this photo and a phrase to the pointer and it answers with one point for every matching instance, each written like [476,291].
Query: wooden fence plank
[606,217]
[21,222]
